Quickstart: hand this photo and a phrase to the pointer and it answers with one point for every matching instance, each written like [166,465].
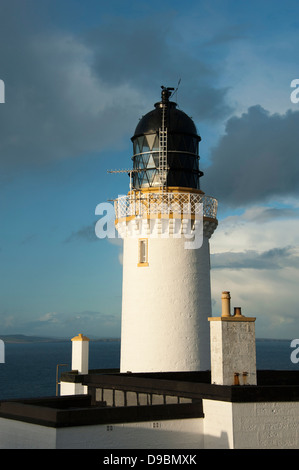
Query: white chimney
[80,354]
[233,352]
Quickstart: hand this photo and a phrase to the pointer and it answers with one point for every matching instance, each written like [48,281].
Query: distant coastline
[43,339]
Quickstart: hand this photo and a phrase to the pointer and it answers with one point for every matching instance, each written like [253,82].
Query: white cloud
[50,317]
[256,257]
[269,296]
[259,228]
[58,324]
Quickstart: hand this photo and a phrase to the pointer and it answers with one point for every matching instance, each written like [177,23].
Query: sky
[78,77]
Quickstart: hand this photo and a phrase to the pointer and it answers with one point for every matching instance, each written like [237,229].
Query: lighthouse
[166,221]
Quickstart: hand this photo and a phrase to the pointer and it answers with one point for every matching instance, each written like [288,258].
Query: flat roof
[271,385]
[80,410]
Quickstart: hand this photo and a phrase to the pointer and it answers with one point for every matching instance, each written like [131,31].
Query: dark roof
[176,121]
[80,410]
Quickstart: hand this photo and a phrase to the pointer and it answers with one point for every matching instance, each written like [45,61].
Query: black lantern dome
[180,149]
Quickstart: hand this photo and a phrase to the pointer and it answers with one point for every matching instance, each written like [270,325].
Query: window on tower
[143,252]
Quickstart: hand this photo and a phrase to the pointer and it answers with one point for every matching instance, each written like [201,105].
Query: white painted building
[188,380]
[165,221]
[152,411]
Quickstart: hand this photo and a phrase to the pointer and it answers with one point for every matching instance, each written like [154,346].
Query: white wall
[225,426]
[19,435]
[266,425]
[218,425]
[165,307]
[172,434]
[80,355]
[251,425]
[233,351]
[70,388]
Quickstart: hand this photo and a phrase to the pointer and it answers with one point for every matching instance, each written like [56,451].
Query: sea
[30,369]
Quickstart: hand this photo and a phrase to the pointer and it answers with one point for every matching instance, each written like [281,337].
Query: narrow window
[143,252]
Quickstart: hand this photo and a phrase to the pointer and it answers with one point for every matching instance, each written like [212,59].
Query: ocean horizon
[30,367]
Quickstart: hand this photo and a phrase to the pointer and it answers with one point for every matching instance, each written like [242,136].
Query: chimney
[233,352]
[80,354]
[225,298]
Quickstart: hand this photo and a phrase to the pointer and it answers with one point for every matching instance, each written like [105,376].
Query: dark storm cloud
[148,53]
[55,107]
[267,214]
[69,95]
[276,258]
[257,159]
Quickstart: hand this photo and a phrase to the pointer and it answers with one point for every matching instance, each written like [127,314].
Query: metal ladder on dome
[163,167]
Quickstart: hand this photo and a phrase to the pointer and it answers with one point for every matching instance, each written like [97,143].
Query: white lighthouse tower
[165,221]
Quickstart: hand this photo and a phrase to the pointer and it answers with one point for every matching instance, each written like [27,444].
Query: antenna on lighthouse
[175,92]
[129,172]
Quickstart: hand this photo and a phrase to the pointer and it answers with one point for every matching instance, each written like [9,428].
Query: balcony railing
[148,204]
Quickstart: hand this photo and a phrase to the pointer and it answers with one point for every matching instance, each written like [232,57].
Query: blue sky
[78,76]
